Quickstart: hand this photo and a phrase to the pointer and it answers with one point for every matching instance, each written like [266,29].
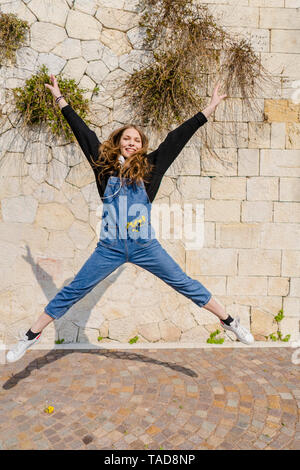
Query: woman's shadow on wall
[73,324]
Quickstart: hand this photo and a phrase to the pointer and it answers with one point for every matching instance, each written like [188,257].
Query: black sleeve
[170,148]
[86,138]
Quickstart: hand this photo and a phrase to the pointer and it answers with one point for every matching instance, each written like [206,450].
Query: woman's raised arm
[86,138]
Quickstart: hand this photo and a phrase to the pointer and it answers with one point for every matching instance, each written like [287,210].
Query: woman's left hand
[216,98]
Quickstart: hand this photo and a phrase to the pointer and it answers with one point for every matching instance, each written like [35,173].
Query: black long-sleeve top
[161,158]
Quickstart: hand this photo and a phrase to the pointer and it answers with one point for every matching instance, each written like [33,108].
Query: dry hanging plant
[189,47]
[12,35]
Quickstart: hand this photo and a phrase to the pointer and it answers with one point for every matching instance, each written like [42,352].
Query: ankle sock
[228,320]
[31,335]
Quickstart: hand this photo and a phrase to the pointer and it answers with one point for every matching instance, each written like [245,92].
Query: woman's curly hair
[136,167]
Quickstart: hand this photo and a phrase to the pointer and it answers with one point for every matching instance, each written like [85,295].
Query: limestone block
[196,334]
[219,161]
[212,261]
[193,187]
[248,162]
[278,135]
[56,173]
[53,216]
[228,188]
[116,41]
[268,303]
[280,163]
[45,36]
[44,193]
[60,245]
[123,111]
[289,189]
[82,26]
[285,40]
[97,70]
[262,188]
[110,59]
[294,286]
[11,141]
[291,307]
[231,108]
[89,7]
[135,60]
[281,111]
[241,15]
[235,134]
[151,315]
[187,163]
[280,236]
[26,58]
[259,262]
[119,4]
[80,175]
[116,19]
[88,335]
[169,332]
[149,331]
[243,285]
[81,234]
[49,11]
[122,329]
[19,209]
[13,164]
[35,237]
[215,284]
[66,330]
[292,136]
[259,135]
[279,18]
[278,63]
[114,83]
[92,50]
[183,319]
[17,7]
[136,37]
[257,211]
[69,49]
[222,211]
[237,235]
[37,152]
[75,68]
[290,326]
[291,263]
[278,286]
[91,195]
[258,38]
[267,3]
[78,207]
[262,322]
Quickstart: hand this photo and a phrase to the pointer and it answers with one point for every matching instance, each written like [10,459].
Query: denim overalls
[126,236]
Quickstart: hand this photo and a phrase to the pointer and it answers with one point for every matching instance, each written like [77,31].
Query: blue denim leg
[102,262]
[154,258]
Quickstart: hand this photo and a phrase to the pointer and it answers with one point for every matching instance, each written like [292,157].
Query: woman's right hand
[54,88]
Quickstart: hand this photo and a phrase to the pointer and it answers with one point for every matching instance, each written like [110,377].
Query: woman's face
[130,142]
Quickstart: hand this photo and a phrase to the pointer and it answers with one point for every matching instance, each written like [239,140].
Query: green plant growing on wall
[133,340]
[38,106]
[12,36]
[213,338]
[277,336]
[188,45]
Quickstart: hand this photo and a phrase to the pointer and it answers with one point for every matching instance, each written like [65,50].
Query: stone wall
[50,208]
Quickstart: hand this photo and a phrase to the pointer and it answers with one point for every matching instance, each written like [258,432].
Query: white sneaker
[240,331]
[21,347]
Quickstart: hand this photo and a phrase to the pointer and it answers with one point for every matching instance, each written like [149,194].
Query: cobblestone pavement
[151,399]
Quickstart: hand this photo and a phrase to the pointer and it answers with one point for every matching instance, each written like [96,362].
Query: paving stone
[148,399]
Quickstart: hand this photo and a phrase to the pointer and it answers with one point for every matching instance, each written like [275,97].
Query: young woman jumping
[127,180]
